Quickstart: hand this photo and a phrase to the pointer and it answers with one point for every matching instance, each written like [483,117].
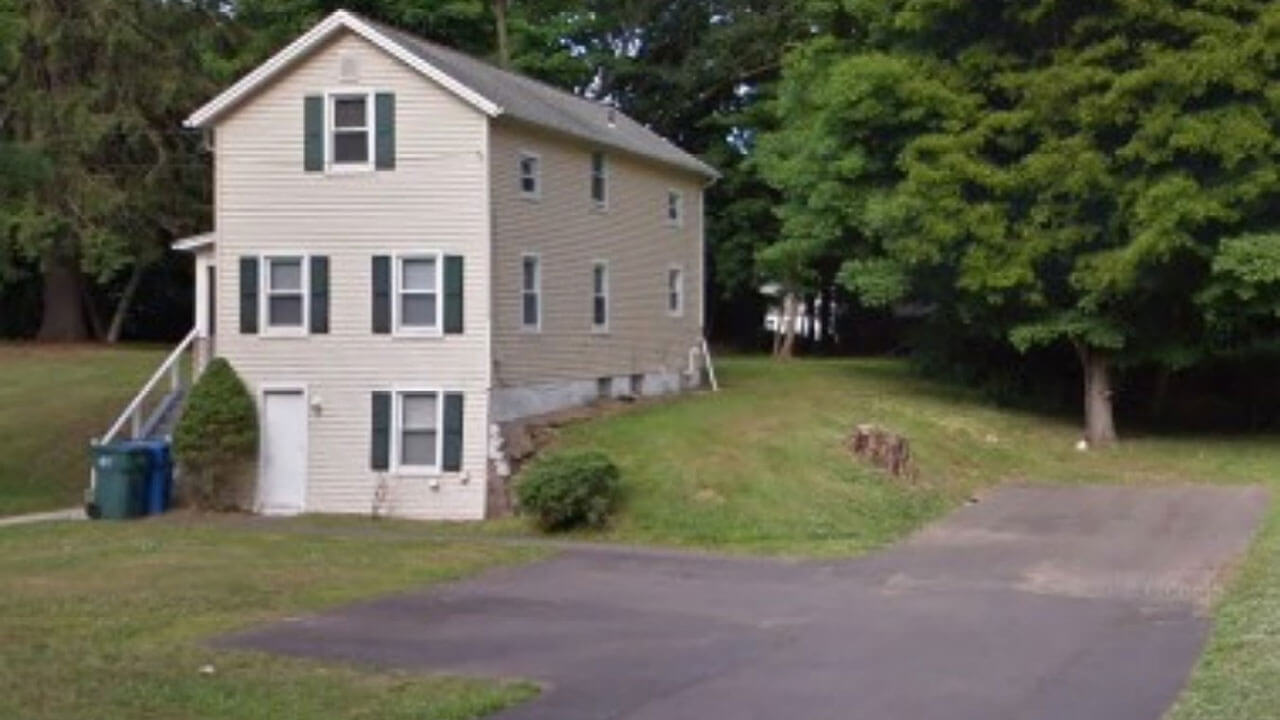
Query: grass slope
[761,466]
[53,399]
[107,620]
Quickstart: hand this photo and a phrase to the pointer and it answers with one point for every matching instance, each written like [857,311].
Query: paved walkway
[1045,603]
[75,513]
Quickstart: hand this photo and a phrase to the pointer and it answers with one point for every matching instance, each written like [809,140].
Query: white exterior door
[282,475]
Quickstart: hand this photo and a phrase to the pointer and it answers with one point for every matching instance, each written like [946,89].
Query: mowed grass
[53,399]
[762,466]
[100,620]
[111,620]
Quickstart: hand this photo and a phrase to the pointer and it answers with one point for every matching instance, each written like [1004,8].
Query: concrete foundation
[514,403]
[510,405]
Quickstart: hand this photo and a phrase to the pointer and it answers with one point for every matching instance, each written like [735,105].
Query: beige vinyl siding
[569,234]
[434,200]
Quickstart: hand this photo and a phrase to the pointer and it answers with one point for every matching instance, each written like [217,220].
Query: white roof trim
[338,20]
[194,242]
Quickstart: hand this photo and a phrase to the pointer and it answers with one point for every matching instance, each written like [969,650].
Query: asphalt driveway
[1037,603]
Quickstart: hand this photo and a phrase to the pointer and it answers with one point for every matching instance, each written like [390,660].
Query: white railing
[135,413]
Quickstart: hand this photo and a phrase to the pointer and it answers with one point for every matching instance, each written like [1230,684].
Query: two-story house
[411,247]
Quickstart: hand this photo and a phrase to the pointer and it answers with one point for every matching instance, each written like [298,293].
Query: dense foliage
[217,438]
[1023,190]
[98,175]
[1101,175]
[566,490]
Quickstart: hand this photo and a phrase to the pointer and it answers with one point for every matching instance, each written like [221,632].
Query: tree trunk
[789,307]
[96,330]
[500,21]
[62,317]
[122,307]
[827,335]
[811,320]
[1160,392]
[1099,421]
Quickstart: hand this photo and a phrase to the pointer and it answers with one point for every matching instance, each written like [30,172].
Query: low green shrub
[216,440]
[565,490]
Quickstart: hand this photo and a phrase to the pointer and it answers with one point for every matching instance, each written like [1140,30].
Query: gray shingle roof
[540,104]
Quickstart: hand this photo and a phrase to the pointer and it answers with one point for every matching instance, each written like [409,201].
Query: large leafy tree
[94,93]
[1077,173]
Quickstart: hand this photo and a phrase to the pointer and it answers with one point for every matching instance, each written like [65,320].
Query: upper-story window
[675,208]
[600,296]
[531,292]
[530,169]
[599,180]
[286,300]
[417,305]
[350,130]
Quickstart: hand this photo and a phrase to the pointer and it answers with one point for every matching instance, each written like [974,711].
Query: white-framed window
[600,296]
[285,299]
[675,208]
[531,292]
[529,169]
[416,306]
[349,132]
[600,180]
[417,437]
[675,291]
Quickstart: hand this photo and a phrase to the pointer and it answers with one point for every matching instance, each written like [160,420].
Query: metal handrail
[131,412]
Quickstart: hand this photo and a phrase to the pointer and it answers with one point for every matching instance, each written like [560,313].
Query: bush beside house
[216,440]
[566,490]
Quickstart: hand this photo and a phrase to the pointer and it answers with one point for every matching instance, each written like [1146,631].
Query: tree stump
[883,449]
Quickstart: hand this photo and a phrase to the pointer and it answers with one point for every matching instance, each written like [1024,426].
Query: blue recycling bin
[158,488]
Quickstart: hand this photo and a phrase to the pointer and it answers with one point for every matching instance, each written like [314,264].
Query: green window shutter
[380,431]
[381,294]
[313,133]
[451,460]
[453,294]
[385,138]
[248,295]
[319,294]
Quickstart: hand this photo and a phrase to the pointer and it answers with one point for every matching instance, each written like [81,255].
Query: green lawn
[53,399]
[762,466]
[108,620]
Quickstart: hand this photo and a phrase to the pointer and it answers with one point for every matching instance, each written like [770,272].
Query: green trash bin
[120,490]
